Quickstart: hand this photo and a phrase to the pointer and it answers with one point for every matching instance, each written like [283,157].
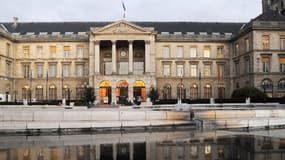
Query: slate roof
[170,27]
[271,15]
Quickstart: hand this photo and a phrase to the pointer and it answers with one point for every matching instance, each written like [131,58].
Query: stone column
[131,57]
[114,57]
[97,57]
[147,57]
[131,90]
[114,98]
[91,58]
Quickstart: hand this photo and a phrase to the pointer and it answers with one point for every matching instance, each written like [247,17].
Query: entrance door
[139,90]
[105,92]
[122,92]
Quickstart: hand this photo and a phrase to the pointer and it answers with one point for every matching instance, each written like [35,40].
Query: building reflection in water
[143,146]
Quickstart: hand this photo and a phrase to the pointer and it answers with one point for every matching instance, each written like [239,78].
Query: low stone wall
[90,115]
[240,114]
[42,119]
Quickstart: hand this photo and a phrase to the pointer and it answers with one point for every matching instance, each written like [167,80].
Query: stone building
[122,60]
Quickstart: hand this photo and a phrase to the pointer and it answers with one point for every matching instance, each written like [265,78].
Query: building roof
[170,27]
[271,15]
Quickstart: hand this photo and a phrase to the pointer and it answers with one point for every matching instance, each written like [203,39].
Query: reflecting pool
[179,145]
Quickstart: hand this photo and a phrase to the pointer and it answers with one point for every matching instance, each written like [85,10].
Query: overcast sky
[137,10]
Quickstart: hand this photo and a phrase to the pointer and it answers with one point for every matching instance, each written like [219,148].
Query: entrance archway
[139,90]
[122,92]
[105,92]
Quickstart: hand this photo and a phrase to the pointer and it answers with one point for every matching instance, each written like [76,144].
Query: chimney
[15,21]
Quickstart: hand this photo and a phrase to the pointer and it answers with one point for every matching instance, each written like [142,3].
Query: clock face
[123,53]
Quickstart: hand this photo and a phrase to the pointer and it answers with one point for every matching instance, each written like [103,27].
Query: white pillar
[131,57]
[147,57]
[114,57]
[97,57]
[91,58]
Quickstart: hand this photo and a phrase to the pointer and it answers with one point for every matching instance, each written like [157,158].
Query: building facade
[122,60]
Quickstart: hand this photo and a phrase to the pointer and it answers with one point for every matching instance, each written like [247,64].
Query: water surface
[180,145]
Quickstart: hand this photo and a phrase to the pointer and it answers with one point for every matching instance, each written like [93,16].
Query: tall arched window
[267,87]
[26,92]
[181,91]
[194,91]
[39,93]
[166,92]
[281,85]
[208,91]
[66,91]
[52,92]
[79,92]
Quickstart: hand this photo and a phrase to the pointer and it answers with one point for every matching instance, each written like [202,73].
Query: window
[26,92]
[221,71]
[166,52]
[26,70]
[207,70]
[40,51]
[52,92]
[220,51]
[66,51]
[246,66]
[52,70]
[107,68]
[166,70]
[282,64]
[193,52]
[79,70]
[282,43]
[281,84]
[8,69]
[123,68]
[79,92]
[236,51]
[180,70]
[166,91]
[236,69]
[80,51]
[267,85]
[194,92]
[265,64]
[265,41]
[138,68]
[66,91]
[181,91]
[26,51]
[39,93]
[65,70]
[246,43]
[193,70]
[180,52]
[8,50]
[39,71]
[208,91]
[207,51]
[52,51]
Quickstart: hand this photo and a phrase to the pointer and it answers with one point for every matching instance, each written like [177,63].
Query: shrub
[153,95]
[246,92]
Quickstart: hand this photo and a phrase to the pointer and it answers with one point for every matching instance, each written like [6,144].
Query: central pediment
[122,27]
